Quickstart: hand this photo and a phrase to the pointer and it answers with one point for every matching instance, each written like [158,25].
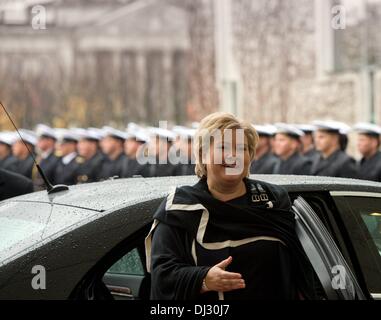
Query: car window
[325,257]
[372,222]
[129,264]
[362,218]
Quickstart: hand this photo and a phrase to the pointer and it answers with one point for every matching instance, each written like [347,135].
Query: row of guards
[78,155]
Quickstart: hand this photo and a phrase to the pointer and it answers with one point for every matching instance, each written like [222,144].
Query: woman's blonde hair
[220,121]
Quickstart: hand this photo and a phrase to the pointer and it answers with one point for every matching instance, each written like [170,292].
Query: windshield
[24,225]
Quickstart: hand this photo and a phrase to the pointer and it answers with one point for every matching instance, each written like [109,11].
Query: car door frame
[357,194]
[95,277]
[323,253]
[126,286]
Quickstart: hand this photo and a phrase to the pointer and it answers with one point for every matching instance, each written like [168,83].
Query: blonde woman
[228,236]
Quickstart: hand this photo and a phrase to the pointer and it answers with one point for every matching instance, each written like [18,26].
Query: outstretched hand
[217,279]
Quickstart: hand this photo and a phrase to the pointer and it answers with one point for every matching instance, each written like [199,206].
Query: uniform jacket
[265,164]
[370,169]
[68,174]
[296,164]
[338,164]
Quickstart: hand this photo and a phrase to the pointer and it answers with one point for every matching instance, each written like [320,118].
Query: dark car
[88,242]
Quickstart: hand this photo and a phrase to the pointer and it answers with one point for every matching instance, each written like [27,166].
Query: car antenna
[50,188]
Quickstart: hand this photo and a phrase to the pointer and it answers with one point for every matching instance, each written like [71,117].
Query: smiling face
[229,158]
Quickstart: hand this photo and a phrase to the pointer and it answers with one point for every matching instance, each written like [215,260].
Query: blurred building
[108,62]
[95,62]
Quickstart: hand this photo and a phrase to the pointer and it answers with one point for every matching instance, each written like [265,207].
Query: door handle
[120,291]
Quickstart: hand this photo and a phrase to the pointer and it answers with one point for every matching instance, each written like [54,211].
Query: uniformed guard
[344,132]
[158,154]
[265,160]
[308,144]
[287,147]
[7,160]
[368,145]
[88,149]
[184,151]
[333,161]
[46,156]
[24,154]
[134,147]
[113,147]
[67,170]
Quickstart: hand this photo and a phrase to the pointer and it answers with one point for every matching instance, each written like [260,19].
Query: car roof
[106,195]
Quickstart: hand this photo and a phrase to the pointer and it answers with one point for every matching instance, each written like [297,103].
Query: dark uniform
[91,169]
[112,168]
[67,174]
[9,163]
[154,168]
[12,185]
[131,167]
[47,160]
[309,130]
[158,170]
[265,164]
[312,154]
[296,164]
[48,166]
[25,167]
[370,169]
[338,164]
[185,169]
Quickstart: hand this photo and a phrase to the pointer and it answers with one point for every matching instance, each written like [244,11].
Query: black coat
[370,169]
[9,163]
[25,167]
[111,168]
[131,167]
[185,168]
[158,170]
[48,166]
[12,185]
[193,231]
[68,174]
[312,154]
[338,164]
[153,168]
[265,164]
[91,169]
[296,165]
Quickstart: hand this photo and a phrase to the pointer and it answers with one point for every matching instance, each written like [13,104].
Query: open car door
[336,278]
